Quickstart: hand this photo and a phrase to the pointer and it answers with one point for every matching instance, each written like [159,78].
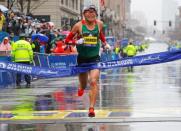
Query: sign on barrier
[62,61]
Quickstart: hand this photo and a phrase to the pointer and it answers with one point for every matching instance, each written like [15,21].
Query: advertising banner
[46,72]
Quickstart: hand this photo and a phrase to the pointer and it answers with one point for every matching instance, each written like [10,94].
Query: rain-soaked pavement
[144,100]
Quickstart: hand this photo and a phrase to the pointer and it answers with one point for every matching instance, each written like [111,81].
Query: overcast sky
[151,8]
[179,2]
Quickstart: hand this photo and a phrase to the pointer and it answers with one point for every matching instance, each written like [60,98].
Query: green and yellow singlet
[90,47]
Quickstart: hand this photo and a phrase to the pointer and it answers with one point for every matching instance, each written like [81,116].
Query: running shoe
[80,91]
[91,112]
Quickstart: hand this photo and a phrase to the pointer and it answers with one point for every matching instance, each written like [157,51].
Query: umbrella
[41,37]
[3,35]
[3,8]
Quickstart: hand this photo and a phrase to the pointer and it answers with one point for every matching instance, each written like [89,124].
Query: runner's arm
[103,39]
[101,34]
[69,39]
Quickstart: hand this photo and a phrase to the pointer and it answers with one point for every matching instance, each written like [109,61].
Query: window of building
[118,9]
[76,3]
[67,1]
[72,4]
[62,2]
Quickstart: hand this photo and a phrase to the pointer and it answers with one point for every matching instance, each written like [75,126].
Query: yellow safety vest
[22,51]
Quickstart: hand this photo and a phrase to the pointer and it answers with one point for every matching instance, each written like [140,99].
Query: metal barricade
[5,53]
[61,60]
[7,79]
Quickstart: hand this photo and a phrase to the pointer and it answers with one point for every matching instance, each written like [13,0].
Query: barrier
[46,72]
[66,64]
[64,60]
[54,60]
[7,78]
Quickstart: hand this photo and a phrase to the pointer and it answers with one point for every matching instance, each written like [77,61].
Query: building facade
[116,15]
[177,31]
[62,12]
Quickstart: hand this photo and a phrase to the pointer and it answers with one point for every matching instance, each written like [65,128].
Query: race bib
[90,40]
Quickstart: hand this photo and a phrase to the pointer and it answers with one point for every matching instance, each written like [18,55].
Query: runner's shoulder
[99,22]
[77,27]
[78,24]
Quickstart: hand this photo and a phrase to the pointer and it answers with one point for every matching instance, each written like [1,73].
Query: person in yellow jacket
[22,53]
[130,51]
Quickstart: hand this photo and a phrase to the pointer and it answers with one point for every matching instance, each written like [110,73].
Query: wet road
[147,99]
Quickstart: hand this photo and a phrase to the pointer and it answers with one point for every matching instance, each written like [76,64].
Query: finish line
[80,116]
[44,72]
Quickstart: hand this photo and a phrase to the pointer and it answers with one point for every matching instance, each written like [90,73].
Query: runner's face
[90,15]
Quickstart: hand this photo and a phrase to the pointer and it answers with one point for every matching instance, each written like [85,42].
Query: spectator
[131,52]
[2,20]
[36,45]
[5,45]
[22,53]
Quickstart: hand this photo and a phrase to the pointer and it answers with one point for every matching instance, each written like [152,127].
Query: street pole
[98,7]
[123,32]
[8,3]
[123,27]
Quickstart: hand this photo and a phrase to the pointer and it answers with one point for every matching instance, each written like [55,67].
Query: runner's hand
[107,46]
[80,41]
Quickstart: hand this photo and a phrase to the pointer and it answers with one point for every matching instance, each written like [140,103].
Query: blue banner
[70,71]
[62,61]
[57,61]
[149,59]
[34,70]
[43,60]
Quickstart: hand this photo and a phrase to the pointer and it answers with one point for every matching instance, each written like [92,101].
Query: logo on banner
[48,72]
[115,63]
[149,59]
[19,68]
[2,65]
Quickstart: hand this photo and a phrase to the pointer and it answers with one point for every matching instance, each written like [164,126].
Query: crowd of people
[16,23]
[22,40]
[174,45]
